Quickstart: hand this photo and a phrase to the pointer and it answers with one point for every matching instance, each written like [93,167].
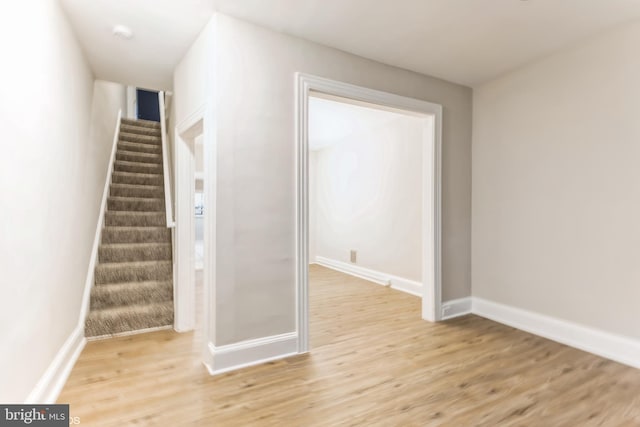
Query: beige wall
[368,197]
[556,185]
[192,83]
[108,98]
[256,170]
[51,182]
[190,76]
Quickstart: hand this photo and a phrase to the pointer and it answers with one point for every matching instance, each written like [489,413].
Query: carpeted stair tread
[139,148]
[128,318]
[132,156]
[115,203]
[141,123]
[140,130]
[124,252]
[136,190]
[136,167]
[140,139]
[131,293]
[119,234]
[135,219]
[133,280]
[117,272]
[136,178]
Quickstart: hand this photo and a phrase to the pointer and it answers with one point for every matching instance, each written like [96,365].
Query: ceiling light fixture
[123,32]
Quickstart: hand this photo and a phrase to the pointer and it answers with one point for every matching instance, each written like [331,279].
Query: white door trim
[184,263]
[431,297]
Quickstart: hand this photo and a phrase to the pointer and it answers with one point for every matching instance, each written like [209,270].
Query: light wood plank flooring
[374,362]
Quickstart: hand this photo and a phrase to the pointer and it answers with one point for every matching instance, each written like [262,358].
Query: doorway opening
[347,190]
[148,107]
[195,235]
[190,207]
[199,203]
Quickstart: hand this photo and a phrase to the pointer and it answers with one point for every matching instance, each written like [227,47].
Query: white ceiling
[464,41]
[331,121]
[163,31]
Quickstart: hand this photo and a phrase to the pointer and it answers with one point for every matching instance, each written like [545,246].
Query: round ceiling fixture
[123,32]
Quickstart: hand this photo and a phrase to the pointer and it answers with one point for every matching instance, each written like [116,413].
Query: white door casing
[184,285]
[431,229]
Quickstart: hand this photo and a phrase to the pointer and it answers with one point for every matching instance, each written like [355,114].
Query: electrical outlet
[354,255]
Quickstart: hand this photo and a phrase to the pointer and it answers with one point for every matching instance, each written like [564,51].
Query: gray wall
[256,170]
[556,185]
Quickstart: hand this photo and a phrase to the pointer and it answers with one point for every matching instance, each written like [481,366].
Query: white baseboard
[93,260]
[52,381]
[611,346]
[405,285]
[252,352]
[354,270]
[130,333]
[456,308]
[398,283]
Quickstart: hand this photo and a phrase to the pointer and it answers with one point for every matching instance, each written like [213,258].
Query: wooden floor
[374,362]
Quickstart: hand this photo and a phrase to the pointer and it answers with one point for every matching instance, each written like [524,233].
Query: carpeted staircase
[133,278]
